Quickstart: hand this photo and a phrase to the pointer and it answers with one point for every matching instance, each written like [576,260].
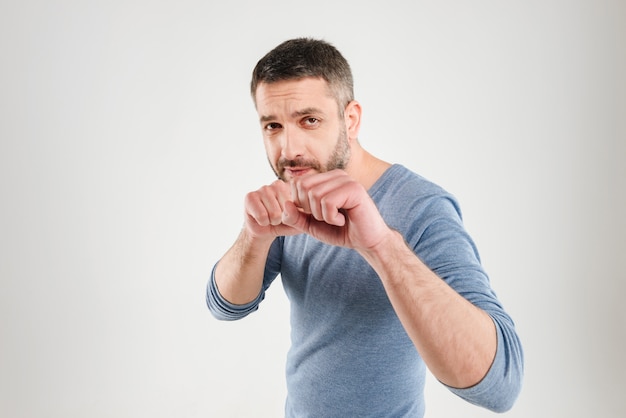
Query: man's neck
[365,168]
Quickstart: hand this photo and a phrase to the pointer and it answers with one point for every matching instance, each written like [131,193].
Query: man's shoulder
[402,182]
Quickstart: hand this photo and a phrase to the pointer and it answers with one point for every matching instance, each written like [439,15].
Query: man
[382,278]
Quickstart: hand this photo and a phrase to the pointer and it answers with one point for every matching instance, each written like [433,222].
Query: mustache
[298,162]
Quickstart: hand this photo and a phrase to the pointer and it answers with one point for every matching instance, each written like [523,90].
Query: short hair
[306,57]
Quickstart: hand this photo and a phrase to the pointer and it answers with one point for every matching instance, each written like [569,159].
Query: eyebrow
[296,114]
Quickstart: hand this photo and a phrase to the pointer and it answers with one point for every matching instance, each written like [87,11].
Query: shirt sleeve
[499,389]
[223,309]
[446,247]
[226,311]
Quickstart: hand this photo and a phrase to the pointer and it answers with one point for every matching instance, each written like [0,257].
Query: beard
[337,160]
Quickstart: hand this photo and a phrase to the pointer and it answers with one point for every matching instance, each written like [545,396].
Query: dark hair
[305,57]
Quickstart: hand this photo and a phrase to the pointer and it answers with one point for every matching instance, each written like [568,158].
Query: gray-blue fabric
[350,355]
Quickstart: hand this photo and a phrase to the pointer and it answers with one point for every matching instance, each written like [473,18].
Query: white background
[128,140]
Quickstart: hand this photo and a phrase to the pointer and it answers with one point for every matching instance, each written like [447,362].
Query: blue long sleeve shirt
[350,355]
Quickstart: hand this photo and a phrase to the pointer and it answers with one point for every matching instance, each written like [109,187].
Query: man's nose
[292,143]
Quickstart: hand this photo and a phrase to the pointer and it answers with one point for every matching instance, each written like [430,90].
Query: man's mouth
[297,171]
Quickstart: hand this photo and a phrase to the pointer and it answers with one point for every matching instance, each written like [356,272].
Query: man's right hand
[264,211]
[239,273]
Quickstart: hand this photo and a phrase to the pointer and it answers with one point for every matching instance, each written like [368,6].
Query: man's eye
[311,121]
[272,126]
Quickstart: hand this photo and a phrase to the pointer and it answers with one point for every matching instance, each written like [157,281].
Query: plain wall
[128,140]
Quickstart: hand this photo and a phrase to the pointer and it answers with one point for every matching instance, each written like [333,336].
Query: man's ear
[352,118]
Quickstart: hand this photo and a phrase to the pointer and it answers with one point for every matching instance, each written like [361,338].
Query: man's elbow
[507,396]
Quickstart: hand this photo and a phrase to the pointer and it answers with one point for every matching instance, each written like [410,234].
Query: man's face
[303,130]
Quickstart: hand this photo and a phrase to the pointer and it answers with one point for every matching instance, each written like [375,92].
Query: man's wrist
[389,243]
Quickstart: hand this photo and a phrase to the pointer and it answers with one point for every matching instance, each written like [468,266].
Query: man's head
[304,57]
[303,94]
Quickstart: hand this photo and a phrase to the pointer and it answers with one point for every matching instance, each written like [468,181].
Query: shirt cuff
[223,309]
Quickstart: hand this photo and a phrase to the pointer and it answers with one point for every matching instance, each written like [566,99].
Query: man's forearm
[456,339]
[239,273]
